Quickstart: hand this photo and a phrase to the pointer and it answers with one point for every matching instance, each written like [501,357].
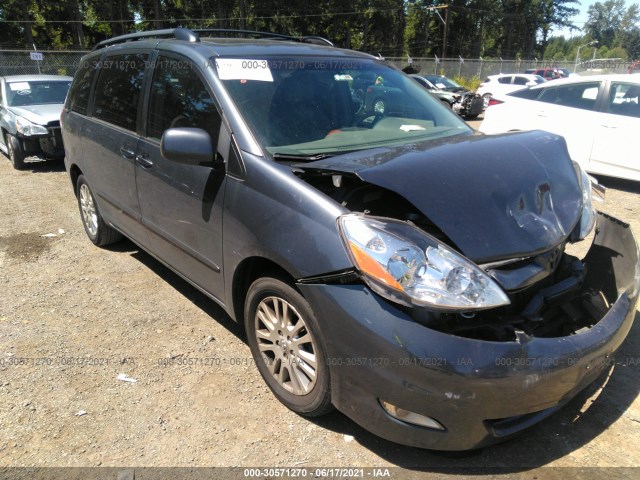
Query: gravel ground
[74,317]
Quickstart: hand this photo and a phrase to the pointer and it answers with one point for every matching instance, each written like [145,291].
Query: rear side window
[581,95]
[180,99]
[81,87]
[624,99]
[118,89]
[526,93]
[504,79]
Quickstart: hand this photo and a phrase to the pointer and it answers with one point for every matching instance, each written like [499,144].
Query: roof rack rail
[194,36]
[317,40]
[258,34]
[177,33]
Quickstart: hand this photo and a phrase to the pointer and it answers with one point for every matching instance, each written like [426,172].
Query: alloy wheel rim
[88,209]
[286,345]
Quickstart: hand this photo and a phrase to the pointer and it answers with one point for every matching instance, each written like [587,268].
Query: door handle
[542,113]
[126,153]
[608,126]
[143,161]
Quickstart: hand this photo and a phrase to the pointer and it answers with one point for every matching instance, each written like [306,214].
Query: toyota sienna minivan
[390,263]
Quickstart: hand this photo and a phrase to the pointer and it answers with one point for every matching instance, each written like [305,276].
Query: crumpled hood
[39,114]
[495,197]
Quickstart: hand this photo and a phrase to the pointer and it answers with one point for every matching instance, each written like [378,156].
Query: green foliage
[617,52]
[469,83]
[393,28]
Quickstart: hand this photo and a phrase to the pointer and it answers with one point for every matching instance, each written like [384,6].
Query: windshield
[318,106]
[40,92]
[443,82]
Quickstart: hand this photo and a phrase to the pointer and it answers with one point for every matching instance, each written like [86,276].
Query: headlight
[408,266]
[25,127]
[588,217]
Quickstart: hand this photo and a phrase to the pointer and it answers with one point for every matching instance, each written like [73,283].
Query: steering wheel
[368,120]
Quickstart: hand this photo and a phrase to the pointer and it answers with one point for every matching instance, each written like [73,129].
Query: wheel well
[5,134]
[248,271]
[74,173]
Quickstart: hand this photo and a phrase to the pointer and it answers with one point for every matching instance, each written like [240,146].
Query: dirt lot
[73,317]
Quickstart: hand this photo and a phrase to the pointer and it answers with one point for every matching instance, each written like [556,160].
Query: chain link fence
[469,68]
[20,62]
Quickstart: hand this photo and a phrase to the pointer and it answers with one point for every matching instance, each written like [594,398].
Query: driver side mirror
[191,146]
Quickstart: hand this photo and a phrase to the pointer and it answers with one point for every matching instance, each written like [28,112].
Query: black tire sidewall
[317,401]
[15,152]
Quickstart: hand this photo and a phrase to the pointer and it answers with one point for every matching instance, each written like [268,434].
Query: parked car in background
[564,72]
[599,116]
[464,102]
[30,107]
[550,73]
[447,98]
[504,83]
[634,67]
[390,263]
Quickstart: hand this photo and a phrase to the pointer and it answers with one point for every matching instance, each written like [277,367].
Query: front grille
[56,133]
[51,145]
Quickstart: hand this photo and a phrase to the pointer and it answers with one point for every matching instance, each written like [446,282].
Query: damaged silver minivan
[383,258]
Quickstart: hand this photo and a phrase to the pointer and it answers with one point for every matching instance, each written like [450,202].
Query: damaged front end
[484,323]
[570,297]
[475,231]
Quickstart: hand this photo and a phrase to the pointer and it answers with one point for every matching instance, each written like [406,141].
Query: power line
[269,17]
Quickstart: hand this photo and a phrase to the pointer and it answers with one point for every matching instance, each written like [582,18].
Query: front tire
[286,345]
[15,152]
[379,106]
[95,227]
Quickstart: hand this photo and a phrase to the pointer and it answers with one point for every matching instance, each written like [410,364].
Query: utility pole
[446,31]
[445,22]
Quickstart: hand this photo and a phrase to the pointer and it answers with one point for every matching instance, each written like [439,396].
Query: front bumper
[470,104]
[45,146]
[480,391]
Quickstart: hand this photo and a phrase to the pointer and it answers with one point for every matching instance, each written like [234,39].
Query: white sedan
[598,116]
[504,83]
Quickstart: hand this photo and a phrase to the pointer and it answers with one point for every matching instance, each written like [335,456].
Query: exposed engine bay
[547,289]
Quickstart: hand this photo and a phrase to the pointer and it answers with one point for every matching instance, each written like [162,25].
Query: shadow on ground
[583,419]
[619,184]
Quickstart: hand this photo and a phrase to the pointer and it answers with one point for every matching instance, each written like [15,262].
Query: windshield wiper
[303,158]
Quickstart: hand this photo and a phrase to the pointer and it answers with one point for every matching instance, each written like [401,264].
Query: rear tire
[15,152]
[96,228]
[286,345]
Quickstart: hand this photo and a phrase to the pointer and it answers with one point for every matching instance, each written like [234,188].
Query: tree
[607,20]
[555,14]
